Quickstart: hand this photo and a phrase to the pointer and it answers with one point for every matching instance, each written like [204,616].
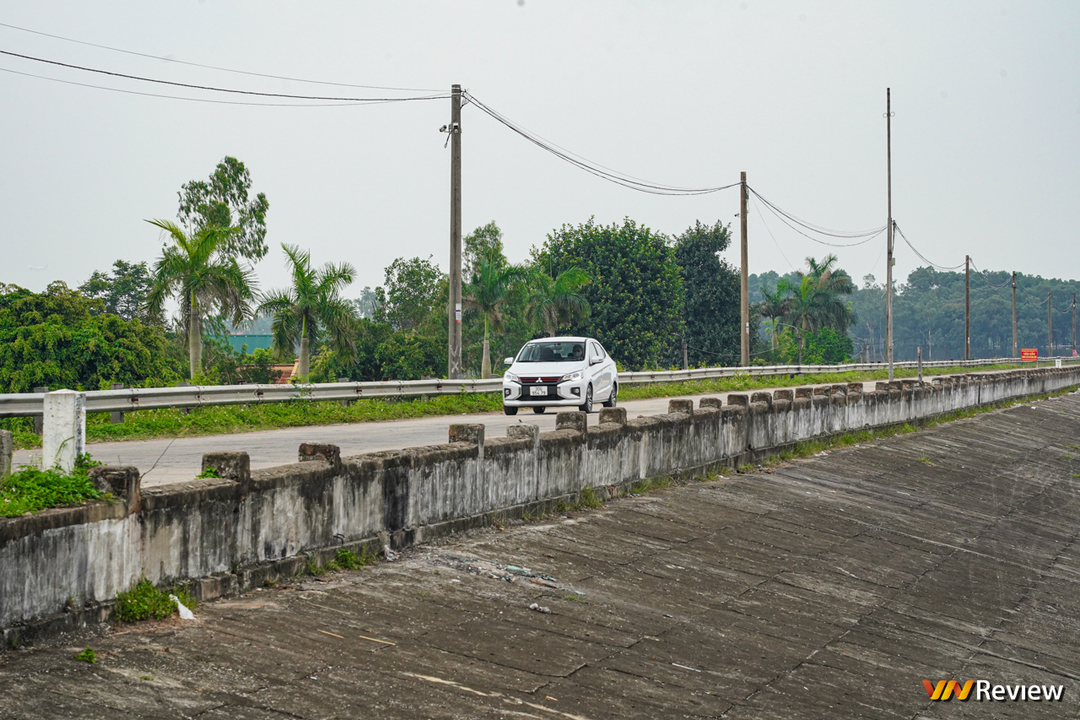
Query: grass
[144,601]
[28,489]
[343,560]
[87,656]
[228,419]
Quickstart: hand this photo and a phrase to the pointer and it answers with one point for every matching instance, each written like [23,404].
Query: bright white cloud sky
[986,153]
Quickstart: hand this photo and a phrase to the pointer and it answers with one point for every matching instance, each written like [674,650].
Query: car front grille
[535,380]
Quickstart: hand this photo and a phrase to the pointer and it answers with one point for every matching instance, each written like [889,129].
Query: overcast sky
[985,141]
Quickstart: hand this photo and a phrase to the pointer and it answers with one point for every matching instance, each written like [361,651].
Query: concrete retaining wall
[62,568]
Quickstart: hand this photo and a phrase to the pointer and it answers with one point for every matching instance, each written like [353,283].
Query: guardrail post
[7,448]
[184,383]
[116,416]
[64,433]
[39,419]
[345,403]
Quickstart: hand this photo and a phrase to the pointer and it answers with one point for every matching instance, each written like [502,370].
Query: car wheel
[614,397]
[539,409]
[586,407]
[510,410]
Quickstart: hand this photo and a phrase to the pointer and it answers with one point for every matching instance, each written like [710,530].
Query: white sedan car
[560,372]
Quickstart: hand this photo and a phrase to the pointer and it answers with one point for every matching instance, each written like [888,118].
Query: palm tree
[773,307]
[313,300]
[558,301]
[829,284]
[195,270]
[801,308]
[492,281]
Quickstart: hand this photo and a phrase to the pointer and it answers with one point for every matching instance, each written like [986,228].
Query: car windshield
[552,352]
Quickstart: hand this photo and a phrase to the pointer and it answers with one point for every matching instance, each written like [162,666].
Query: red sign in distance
[1029,355]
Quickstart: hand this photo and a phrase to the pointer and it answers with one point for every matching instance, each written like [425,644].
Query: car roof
[561,339]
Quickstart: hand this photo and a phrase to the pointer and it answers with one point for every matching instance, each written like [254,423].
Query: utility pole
[967,307]
[454,371]
[889,235]
[1049,325]
[685,363]
[1015,351]
[1074,323]
[744,308]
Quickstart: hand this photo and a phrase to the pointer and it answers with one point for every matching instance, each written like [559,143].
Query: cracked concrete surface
[826,587]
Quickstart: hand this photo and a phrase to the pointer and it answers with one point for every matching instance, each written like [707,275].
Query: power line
[773,237]
[794,224]
[188,99]
[923,257]
[232,91]
[212,67]
[982,274]
[613,176]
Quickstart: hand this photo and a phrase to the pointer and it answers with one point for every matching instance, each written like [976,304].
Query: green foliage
[588,498]
[61,339]
[144,601]
[87,655]
[208,472]
[124,292]
[28,489]
[712,291]
[348,560]
[635,293]
[828,347]
[223,201]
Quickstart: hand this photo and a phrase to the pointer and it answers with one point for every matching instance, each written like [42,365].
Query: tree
[223,201]
[711,289]
[814,302]
[635,293]
[484,241]
[312,302]
[123,293]
[557,302]
[195,270]
[414,294]
[772,306]
[62,339]
[491,283]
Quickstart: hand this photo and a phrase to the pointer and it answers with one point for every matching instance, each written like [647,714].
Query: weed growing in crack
[87,656]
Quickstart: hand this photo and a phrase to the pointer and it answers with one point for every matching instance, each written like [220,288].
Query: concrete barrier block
[762,397]
[532,432]
[738,399]
[615,415]
[783,394]
[854,388]
[684,406]
[7,449]
[235,466]
[320,451]
[710,402]
[467,433]
[123,482]
[804,392]
[574,420]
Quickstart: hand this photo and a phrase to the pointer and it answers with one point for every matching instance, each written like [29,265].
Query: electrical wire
[923,257]
[982,274]
[604,173]
[843,234]
[785,218]
[212,67]
[232,91]
[188,99]
[773,237]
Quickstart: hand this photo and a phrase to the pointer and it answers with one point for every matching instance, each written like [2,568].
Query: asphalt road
[166,461]
[829,587]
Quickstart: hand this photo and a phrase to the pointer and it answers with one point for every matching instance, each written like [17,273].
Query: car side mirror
[508,361]
[596,361]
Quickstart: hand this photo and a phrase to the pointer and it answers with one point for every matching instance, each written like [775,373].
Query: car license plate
[538,391]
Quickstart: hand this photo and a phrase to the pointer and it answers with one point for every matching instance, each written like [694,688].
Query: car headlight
[576,375]
[511,377]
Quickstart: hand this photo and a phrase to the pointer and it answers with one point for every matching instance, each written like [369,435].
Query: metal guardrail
[129,399]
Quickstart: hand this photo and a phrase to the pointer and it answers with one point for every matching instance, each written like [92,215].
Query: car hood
[545,369]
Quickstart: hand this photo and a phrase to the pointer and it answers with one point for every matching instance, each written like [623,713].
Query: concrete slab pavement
[826,587]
